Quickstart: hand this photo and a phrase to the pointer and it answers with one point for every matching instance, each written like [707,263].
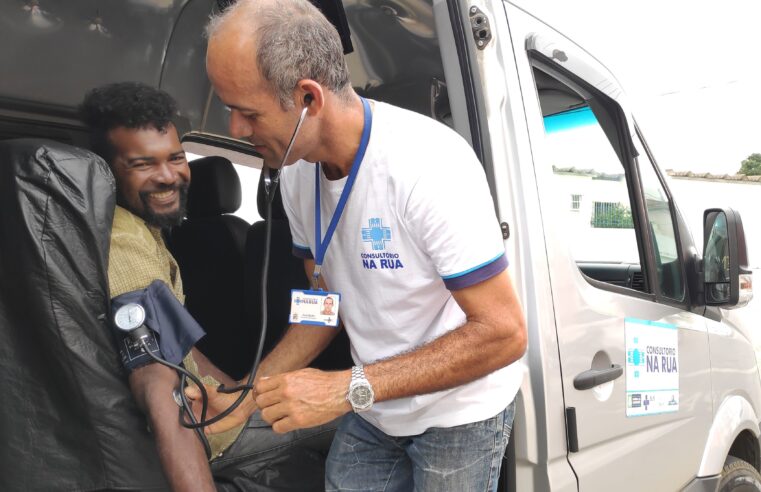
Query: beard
[166,220]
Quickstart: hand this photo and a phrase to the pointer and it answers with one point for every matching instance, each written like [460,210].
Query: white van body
[574,325]
[609,276]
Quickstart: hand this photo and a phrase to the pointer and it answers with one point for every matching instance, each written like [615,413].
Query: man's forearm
[299,347]
[493,336]
[207,368]
[456,358]
[182,455]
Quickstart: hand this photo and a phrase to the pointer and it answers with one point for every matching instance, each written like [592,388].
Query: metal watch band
[358,372]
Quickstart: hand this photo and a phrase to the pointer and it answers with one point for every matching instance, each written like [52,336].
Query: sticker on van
[652,367]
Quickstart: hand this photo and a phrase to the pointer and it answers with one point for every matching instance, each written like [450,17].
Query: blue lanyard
[322,246]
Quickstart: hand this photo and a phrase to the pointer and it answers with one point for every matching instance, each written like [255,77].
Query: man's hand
[302,399]
[218,403]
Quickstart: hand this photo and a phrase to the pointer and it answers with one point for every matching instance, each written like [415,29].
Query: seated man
[131,129]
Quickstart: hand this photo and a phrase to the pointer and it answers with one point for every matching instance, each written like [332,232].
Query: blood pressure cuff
[173,330]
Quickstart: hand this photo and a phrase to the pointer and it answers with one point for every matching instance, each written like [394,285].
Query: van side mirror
[726,277]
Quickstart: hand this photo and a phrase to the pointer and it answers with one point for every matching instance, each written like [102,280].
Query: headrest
[278,212]
[214,188]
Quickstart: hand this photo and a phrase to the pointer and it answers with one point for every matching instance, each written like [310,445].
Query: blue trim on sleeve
[302,252]
[455,275]
[477,274]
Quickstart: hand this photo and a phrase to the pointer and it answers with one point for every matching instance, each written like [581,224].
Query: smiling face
[152,173]
[255,112]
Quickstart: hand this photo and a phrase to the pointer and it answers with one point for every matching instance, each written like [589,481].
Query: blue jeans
[456,459]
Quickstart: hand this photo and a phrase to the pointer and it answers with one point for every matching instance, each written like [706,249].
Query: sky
[692,71]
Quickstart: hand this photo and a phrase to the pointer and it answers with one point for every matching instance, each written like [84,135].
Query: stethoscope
[130,319]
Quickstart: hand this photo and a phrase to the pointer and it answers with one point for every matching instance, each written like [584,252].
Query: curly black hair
[124,104]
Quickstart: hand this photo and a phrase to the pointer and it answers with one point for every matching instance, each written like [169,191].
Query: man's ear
[310,94]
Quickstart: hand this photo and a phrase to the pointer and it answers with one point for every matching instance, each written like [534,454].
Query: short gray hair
[294,41]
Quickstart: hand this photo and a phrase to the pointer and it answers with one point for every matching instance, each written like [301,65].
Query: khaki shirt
[138,256]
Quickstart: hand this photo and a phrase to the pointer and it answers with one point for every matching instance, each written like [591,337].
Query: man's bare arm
[493,336]
[182,455]
[207,368]
[298,347]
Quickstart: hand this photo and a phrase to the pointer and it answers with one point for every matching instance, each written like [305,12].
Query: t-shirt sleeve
[300,244]
[450,213]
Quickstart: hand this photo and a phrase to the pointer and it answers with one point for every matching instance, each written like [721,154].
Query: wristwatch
[360,395]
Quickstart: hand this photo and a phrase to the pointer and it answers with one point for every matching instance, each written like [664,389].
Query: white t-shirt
[419,222]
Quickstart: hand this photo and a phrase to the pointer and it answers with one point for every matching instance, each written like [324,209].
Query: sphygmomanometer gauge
[129,317]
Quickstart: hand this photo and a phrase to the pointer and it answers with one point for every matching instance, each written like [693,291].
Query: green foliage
[751,166]
[612,216]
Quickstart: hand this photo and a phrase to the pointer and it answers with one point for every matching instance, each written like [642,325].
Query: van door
[634,358]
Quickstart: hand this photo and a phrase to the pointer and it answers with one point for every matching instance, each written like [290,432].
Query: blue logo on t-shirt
[376,234]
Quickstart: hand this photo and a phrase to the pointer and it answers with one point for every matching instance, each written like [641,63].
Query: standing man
[407,235]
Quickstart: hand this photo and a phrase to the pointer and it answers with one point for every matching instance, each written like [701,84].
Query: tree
[609,215]
[751,166]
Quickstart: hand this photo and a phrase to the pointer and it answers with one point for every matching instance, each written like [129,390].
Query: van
[636,375]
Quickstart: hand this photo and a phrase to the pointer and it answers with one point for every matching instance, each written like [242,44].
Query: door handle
[593,377]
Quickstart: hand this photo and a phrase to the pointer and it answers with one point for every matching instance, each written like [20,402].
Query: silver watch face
[129,317]
[361,396]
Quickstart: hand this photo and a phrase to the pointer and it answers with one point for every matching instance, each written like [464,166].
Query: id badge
[314,307]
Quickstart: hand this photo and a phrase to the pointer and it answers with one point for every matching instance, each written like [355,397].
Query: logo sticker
[652,367]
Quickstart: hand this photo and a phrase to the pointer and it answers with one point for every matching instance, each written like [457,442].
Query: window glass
[667,267]
[599,223]
[249,185]
[585,164]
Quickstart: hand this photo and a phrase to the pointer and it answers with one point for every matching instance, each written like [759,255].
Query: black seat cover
[67,418]
[286,272]
[209,247]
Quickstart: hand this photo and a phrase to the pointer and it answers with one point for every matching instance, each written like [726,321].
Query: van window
[588,173]
[585,164]
[249,186]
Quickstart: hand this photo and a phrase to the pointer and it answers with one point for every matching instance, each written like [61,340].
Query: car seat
[209,247]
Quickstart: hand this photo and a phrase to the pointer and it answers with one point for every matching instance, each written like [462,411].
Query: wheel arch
[734,432]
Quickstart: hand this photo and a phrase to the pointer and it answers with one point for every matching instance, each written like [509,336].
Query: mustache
[164,188]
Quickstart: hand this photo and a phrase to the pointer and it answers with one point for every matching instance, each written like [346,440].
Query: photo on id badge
[314,307]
